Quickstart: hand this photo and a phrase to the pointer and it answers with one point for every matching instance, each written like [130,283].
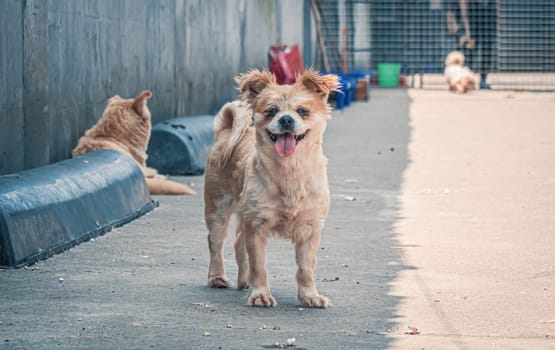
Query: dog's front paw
[219,282]
[314,301]
[261,298]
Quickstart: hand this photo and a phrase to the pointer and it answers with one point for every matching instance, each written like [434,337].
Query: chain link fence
[512,41]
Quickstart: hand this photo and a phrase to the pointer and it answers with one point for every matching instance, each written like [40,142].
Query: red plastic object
[403,81]
[285,62]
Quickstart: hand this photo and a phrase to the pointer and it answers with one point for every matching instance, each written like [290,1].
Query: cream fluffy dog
[272,175]
[459,77]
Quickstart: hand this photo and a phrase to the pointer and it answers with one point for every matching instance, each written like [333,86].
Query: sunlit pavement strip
[476,222]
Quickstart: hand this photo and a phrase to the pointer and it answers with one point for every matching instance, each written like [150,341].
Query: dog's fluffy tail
[163,186]
[233,120]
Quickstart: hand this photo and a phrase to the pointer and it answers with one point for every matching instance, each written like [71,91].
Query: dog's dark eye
[302,112]
[271,112]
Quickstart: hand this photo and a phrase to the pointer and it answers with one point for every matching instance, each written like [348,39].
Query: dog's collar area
[298,138]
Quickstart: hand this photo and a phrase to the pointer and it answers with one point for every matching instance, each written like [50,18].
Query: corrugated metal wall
[60,60]
[11,85]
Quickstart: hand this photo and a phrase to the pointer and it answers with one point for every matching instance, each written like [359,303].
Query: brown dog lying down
[125,127]
[273,177]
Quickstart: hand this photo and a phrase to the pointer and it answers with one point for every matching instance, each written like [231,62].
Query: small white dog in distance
[459,77]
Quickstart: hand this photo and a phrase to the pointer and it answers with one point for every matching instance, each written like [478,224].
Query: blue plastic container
[180,146]
[47,210]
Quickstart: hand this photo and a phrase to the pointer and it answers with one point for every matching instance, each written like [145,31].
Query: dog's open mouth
[285,144]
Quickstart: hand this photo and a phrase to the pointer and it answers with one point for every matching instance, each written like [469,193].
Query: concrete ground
[497,81]
[442,218]
[477,222]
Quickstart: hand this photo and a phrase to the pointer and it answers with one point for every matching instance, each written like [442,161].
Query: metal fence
[511,40]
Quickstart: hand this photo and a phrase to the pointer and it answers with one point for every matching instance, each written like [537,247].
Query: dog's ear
[253,82]
[139,103]
[320,84]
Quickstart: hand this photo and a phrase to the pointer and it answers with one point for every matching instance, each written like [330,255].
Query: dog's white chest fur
[287,207]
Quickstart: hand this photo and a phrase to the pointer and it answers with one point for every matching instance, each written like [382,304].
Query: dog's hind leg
[242,260]
[217,219]
[149,172]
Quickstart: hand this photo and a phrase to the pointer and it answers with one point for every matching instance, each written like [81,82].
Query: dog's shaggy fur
[272,175]
[125,127]
[459,77]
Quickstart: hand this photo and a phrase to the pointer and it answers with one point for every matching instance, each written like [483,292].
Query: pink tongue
[285,145]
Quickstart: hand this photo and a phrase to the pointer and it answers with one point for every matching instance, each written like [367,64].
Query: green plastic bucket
[388,74]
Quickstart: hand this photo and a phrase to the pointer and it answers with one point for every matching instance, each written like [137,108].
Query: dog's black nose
[287,122]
